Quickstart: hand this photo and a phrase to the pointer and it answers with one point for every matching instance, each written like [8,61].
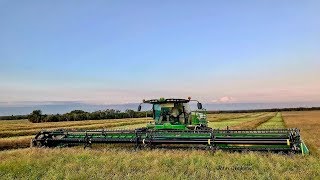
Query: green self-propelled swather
[174,124]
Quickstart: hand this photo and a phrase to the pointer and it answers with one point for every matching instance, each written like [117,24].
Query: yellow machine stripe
[209,141]
[288,142]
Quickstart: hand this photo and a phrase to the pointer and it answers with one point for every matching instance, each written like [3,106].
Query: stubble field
[119,162]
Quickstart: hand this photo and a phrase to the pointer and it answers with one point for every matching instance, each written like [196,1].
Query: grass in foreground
[76,163]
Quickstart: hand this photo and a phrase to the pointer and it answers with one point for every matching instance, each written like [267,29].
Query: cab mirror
[199,106]
[139,107]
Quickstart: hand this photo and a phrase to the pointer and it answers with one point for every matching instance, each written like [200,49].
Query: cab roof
[163,100]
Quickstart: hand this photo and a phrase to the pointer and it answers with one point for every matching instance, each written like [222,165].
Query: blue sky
[106,52]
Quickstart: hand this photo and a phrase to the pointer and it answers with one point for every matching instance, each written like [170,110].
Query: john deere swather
[176,125]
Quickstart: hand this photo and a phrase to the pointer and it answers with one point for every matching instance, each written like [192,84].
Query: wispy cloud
[224,99]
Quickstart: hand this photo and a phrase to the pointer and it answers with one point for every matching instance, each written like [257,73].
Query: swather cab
[176,114]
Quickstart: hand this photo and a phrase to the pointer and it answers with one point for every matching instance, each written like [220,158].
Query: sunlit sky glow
[106,52]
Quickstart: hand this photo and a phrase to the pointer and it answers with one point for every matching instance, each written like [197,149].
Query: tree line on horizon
[79,115]
[267,110]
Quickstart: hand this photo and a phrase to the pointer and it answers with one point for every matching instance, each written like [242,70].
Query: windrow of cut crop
[15,142]
[254,123]
[108,124]
[224,117]
[235,122]
[26,125]
[24,141]
[274,123]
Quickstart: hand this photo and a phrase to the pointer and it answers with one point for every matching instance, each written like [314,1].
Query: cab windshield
[174,113]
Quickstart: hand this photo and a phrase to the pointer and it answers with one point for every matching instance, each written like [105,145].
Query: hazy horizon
[35,103]
[112,52]
[64,107]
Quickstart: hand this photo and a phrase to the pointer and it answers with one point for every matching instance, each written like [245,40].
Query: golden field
[124,162]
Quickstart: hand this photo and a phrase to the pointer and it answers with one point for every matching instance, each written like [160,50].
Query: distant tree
[35,116]
[78,115]
[130,112]
[77,112]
